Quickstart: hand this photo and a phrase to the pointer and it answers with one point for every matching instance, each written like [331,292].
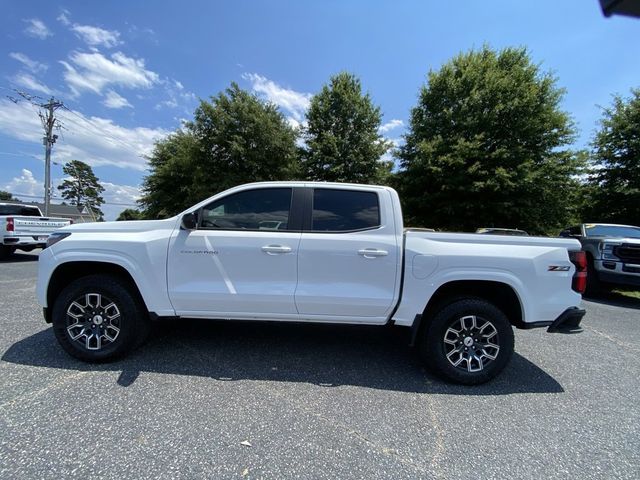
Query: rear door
[348,257]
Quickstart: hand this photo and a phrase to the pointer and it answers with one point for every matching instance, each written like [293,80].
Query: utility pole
[48,122]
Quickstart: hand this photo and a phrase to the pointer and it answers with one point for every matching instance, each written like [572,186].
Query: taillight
[579,259]
[10,226]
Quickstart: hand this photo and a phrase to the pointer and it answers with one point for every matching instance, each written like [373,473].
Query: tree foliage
[614,187]
[6,195]
[82,187]
[130,214]
[486,146]
[235,138]
[342,139]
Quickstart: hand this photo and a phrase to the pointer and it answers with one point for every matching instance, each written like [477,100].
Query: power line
[39,197]
[46,112]
[100,129]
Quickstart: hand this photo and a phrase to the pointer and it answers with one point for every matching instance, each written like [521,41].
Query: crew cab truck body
[309,252]
[613,253]
[24,227]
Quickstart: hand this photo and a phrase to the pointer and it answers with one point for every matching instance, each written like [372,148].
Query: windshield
[21,210]
[611,231]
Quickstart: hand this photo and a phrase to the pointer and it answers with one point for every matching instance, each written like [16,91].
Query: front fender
[148,273]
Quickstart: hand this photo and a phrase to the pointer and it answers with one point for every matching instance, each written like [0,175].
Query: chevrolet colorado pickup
[310,252]
[613,253]
[23,227]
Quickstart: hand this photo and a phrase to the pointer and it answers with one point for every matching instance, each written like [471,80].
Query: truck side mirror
[189,221]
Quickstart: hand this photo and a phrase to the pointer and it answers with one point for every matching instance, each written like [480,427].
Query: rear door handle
[276,249]
[372,252]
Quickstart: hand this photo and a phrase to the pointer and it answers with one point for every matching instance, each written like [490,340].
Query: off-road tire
[435,341]
[132,320]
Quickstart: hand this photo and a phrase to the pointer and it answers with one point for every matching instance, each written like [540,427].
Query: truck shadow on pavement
[22,257]
[323,355]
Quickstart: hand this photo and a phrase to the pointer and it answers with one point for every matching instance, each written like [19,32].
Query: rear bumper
[568,321]
[25,241]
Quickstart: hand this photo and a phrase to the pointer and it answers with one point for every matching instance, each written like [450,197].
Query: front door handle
[372,253]
[276,249]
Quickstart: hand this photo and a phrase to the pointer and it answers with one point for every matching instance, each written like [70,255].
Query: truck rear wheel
[468,341]
[98,318]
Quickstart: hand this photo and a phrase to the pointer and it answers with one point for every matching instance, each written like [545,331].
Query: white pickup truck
[24,227]
[310,252]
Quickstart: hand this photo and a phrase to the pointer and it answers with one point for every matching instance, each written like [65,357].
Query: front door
[241,260]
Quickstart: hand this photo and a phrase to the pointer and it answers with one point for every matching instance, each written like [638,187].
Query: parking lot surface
[214,399]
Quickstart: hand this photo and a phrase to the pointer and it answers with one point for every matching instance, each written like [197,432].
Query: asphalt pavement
[215,399]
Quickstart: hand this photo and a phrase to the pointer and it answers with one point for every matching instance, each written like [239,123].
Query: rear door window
[337,210]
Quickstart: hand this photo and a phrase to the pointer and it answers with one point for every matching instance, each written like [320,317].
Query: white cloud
[113,100]
[128,195]
[292,102]
[30,83]
[391,125]
[94,72]
[64,17]
[178,96]
[117,198]
[96,141]
[397,142]
[32,65]
[171,103]
[36,28]
[25,184]
[96,36]
[142,33]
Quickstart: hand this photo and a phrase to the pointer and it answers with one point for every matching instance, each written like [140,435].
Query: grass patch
[628,293]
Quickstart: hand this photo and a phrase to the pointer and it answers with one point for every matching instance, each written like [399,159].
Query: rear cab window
[339,210]
[21,210]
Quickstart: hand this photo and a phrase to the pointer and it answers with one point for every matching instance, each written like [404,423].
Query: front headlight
[607,251]
[56,237]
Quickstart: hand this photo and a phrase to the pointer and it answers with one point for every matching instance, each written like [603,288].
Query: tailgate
[38,226]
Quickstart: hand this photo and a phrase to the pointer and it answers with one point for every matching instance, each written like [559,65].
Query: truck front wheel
[468,341]
[98,318]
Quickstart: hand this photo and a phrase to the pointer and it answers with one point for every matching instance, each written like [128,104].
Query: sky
[131,72]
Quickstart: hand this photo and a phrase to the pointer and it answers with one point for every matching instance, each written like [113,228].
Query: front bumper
[568,321]
[620,273]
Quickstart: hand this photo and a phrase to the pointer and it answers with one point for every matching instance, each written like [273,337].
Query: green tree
[236,138]
[6,196]
[341,136]
[82,187]
[487,146]
[130,214]
[168,189]
[614,186]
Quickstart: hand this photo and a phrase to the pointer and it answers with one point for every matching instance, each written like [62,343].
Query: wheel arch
[67,272]
[500,294]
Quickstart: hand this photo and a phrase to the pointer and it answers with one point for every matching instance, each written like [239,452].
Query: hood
[126,226]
